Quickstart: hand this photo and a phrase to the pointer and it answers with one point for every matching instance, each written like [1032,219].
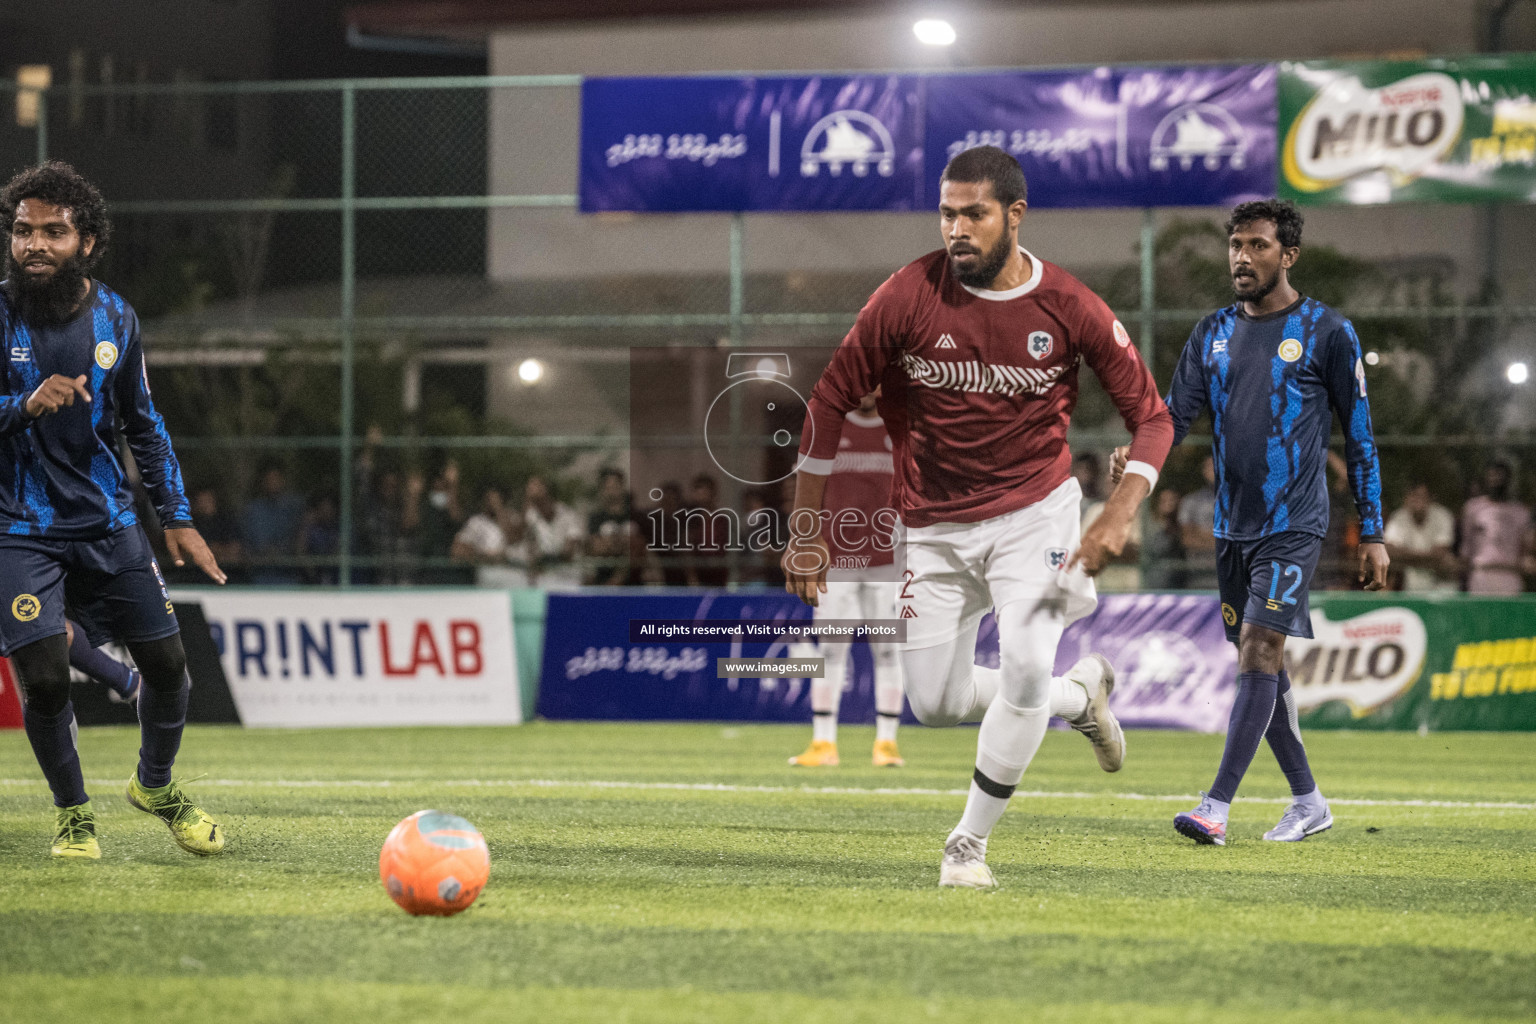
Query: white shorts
[957,572]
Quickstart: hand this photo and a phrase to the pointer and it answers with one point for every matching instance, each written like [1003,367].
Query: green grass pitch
[624,888]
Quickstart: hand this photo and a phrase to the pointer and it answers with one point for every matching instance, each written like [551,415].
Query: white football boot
[965,864]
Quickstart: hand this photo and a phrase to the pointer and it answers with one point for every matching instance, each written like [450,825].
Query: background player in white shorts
[861,548]
[976,349]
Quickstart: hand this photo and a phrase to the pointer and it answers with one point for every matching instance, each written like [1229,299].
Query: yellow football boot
[820,754]
[76,835]
[192,829]
[886,755]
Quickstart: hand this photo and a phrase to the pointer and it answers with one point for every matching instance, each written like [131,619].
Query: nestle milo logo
[1348,129]
[1364,661]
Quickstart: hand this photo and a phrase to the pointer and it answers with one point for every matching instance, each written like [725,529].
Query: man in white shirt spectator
[549,544]
[482,542]
[1421,537]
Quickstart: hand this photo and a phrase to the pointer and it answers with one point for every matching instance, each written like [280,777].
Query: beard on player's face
[48,298]
[983,269]
[1250,285]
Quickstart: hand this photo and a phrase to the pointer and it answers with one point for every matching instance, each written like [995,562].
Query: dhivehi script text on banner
[1177,136]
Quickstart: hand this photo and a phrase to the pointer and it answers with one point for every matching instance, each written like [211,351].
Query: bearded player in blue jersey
[1273,369]
[73,367]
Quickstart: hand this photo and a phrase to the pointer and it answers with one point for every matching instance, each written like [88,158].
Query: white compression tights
[946,687]
[1014,702]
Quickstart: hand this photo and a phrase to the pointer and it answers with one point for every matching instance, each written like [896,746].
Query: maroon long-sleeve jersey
[978,388]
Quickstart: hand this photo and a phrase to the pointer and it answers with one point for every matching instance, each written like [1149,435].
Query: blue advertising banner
[1193,136]
[1197,136]
[1175,668]
[701,144]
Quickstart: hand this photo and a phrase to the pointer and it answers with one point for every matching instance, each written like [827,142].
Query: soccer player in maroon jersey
[976,349]
[861,544]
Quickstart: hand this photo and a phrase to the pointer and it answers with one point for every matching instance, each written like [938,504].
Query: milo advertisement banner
[1452,662]
[1442,130]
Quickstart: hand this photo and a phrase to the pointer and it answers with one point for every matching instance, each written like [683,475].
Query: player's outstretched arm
[184,542]
[805,558]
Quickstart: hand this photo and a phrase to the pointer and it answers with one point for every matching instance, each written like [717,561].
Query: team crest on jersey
[1056,559]
[946,341]
[106,355]
[1228,614]
[1290,350]
[1040,344]
[26,607]
[1122,336]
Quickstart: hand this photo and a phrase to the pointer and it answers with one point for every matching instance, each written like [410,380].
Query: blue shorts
[1265,582]
[110,586]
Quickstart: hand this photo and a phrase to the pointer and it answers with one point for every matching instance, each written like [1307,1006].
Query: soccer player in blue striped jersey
[73,367]
[1273,369]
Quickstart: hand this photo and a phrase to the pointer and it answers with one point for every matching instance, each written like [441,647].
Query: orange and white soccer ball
[434,863]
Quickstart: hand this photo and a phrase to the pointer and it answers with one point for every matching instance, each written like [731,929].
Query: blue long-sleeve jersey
[1272,384]
[60,475]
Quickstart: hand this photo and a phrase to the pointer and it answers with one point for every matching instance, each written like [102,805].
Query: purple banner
[815,143]
[1198,136]
[1192,136]
[1174,667]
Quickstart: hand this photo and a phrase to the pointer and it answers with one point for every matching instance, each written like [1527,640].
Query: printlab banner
[307,658]
[820,143]
[1106,137]
[1375,662]
[1199,136]
[1459,130]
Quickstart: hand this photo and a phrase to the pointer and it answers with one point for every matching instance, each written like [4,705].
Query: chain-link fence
[373,315]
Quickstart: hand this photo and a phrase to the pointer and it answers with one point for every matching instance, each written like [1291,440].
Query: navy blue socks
[53,741]
[99,666]
[162,715]
[1251,716]
[1284,736]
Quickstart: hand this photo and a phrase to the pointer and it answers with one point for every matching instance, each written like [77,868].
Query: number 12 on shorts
[1276,571]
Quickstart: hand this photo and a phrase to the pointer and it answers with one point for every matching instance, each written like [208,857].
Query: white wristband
[1142,469]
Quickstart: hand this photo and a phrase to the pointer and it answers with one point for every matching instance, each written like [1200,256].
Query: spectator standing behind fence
[1421,537]
[707,529]
[549,545]
[439,517]
[270,528]
[320,537]
[1197,526]
[1496,541]
[482,542]
[610,530]
[1164,545]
